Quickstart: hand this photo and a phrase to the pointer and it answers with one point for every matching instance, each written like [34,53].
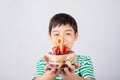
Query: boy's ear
[49,36]
[76,36]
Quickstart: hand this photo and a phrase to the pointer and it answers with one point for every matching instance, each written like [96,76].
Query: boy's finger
[46,58]
[50,67]
[46,67]
[67,72]
[53,70]
[77,66]
[72,69]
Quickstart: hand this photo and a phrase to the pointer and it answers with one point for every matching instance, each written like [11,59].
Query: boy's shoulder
[41,60]
[83,57]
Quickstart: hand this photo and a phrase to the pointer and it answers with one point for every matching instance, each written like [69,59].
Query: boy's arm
[67,75]
[43,78]
[49,75]
[44,70]
[76,77]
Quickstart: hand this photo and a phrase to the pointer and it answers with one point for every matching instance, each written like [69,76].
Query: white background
[24,30]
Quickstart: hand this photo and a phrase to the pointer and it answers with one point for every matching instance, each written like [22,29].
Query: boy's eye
[68,33]
[56,34]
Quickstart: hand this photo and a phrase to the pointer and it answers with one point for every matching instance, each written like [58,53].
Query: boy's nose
[62,35]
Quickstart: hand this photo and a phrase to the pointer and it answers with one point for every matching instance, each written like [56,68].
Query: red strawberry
[64,50]
[56,50]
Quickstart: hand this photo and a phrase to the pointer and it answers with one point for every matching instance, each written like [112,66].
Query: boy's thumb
[46,58]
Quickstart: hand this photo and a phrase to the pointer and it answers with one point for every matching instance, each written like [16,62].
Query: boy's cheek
[70,46]
[54,44]
[53,41]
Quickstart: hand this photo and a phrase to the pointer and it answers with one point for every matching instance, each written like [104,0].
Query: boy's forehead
[62,28]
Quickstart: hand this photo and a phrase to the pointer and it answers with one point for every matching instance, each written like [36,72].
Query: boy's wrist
[69,77]
[50,76]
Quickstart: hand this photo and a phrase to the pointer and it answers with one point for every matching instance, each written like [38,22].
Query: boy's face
[66,32]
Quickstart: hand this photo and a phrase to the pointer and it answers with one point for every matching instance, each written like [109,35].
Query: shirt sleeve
[86,67]
[40,68]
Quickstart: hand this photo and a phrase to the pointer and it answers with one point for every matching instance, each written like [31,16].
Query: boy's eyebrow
[69,30]
[55,31]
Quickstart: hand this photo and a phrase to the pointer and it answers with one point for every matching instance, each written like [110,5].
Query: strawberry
[64,50]
[56,50]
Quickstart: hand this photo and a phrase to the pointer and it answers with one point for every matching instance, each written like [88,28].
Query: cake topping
[61,48]
[60,43]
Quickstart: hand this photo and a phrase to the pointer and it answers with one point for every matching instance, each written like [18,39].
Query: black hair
[62,19]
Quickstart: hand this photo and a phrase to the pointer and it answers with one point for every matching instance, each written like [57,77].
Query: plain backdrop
[24,35]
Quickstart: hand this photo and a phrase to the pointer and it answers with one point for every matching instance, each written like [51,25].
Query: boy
[65,26]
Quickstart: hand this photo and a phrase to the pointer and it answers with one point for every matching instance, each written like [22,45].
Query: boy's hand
[67,72]
[50,70]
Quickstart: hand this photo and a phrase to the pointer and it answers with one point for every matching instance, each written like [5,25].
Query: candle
[60,43]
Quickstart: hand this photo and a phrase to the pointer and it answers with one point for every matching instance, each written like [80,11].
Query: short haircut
[62,19]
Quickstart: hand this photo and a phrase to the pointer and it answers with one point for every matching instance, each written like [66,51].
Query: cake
[61,55]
